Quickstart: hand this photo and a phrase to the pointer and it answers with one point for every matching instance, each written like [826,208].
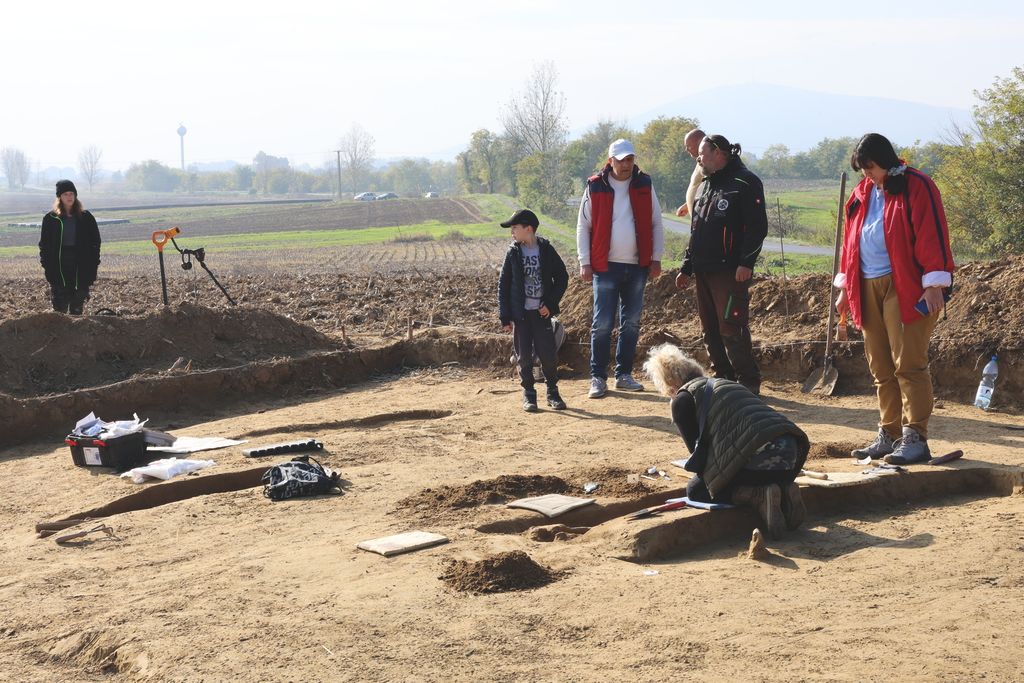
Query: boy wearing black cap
[533,280]
[69,250]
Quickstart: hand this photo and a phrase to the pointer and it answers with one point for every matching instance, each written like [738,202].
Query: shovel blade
[828,381]
[822,380]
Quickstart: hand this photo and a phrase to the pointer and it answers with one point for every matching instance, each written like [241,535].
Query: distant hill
[758,115]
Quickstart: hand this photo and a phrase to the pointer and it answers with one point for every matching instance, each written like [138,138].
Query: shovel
[823,379]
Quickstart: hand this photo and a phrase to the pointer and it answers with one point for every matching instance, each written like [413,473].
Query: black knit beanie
[65,186]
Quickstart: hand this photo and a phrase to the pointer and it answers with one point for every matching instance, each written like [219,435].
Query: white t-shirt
[623,244]
[623,247]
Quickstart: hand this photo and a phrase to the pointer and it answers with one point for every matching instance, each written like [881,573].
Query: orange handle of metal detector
[161,237]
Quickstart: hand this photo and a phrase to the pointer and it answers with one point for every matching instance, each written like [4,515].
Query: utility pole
[338,152]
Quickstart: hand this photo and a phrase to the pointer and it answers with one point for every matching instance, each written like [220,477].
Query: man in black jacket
[533,280]
[69,250]
[726,233]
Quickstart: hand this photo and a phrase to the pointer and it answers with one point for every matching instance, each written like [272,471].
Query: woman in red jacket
[895,269]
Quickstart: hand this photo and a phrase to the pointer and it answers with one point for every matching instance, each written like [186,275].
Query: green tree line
[979,169]
[271,175]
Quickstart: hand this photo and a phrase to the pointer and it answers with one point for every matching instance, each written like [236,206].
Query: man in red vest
[619,239]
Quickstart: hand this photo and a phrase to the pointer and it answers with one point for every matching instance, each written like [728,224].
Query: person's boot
[793,509]
[767,500]
[718,360]
[554,399]
[530,401]
[880,447]
[909,450]
[742,360]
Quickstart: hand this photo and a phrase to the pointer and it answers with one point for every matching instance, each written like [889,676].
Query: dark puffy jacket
[729,223]
[738,423]
[512,287]
[87,250]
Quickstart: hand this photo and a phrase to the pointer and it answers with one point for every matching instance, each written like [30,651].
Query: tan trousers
[898,358]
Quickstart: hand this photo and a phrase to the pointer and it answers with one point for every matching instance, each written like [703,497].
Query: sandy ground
[235,587]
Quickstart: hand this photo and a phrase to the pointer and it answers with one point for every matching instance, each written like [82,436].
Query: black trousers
[68,299]
[534,334]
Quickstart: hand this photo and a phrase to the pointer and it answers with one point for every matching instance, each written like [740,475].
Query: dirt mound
[378,304]
[486,492]
[979,317]
[614,483]
[667,310]
[510,571]
[50,353]
[824,450]
[788,321]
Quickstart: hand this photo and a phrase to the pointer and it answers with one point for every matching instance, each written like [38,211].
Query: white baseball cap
[620,149]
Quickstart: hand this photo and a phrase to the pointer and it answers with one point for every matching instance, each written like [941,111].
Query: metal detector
[160,239]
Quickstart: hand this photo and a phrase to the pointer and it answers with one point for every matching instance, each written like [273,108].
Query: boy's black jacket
[512,289]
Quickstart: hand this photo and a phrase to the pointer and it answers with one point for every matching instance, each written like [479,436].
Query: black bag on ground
[298,477]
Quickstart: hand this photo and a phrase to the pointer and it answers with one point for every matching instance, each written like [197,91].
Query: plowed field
[228,220]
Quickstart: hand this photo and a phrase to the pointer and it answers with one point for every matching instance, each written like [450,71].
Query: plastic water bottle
[988,384]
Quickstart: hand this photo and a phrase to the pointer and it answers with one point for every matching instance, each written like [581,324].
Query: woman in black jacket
[69,250]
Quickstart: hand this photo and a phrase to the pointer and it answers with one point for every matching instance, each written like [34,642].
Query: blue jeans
[620,287]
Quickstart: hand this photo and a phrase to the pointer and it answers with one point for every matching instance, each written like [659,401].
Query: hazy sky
[289,78]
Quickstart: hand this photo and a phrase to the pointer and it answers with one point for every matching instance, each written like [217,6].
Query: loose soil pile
[490,492]
[788,321]
[52,353]
[437,501]
[509,571]
[824,450]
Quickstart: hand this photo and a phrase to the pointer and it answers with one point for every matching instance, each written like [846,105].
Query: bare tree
[89,163]
[356,155]
[533,119]
[16,167]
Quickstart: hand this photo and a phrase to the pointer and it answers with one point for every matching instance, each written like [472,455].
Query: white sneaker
[627,383]
[598,387]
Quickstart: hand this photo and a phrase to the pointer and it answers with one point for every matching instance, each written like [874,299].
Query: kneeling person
[742,450]
[533,280]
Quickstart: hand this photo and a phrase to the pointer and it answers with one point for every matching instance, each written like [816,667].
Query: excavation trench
[676,534]
[51,417]
[669,536]
[160,494]
[222,482]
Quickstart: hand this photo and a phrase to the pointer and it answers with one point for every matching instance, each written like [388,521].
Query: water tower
[181,133]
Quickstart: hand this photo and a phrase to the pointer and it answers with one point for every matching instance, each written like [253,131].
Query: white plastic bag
[167,468]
